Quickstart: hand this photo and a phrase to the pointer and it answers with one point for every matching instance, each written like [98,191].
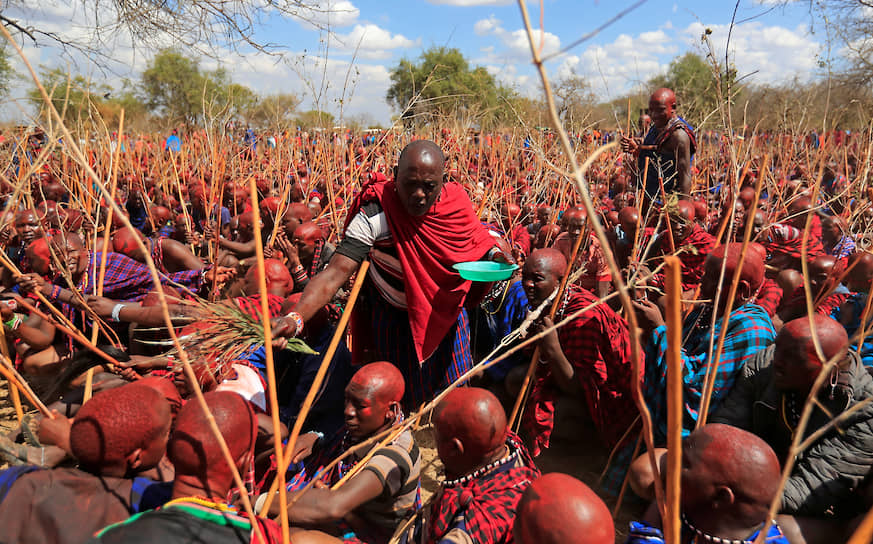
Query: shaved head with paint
[372,399]
[469,426]
[796,363]
[120,431]
[729,478]
[542,272]
[557,509]
[751,273]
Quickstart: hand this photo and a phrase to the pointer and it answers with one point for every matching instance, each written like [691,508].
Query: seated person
[558,509]
[168,255]
[590,355]
[685,234]
[487,470]
[116,434]
[748,331]
[859,278]
[823,286]
[198,511]
[768,400]
[729,479]
[371,504]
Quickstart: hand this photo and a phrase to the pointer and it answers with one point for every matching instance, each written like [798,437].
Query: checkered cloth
[769,296]
[598,345]
[749,330]
[484,507]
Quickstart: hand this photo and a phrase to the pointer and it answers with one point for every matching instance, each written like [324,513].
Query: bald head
[278,278]
[662,104]
[193,449]
[547,260]
[470,426]
[121,430]
[558,508]
[546,235]
[381,381]
[727,474]
[831,335]
[124,241]
[664,96]
[425,150]
[860,272]
[751,273]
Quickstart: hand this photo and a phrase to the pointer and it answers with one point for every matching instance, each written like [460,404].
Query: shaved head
[193,448]
[117,422]
[420,149]
[382,381]
[124,242]
[751,274]
[664,96]
[727,473]
[831,335]
[860,274]
[558,508]
[546,235]
[470,425]
[548,260]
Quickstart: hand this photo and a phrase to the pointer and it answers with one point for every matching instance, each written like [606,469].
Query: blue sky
[368,37]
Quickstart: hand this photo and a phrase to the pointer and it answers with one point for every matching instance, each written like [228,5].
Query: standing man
[411,311]
[669,146]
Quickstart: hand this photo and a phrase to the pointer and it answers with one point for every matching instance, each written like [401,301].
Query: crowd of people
[776,353]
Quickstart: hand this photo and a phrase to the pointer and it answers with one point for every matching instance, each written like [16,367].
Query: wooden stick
[316,383]
[89,376]
[13,389]
[672,526]
[268,348]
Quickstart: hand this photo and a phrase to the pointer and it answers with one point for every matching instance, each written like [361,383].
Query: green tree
[171,84]
[575,101]
[315,119]
[6,71]
[696,87]
[442,84]
[273,111]
[75,97]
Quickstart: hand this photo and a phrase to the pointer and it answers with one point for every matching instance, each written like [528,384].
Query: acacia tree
[176,88]
[274,111]
[442,84]
[696,86]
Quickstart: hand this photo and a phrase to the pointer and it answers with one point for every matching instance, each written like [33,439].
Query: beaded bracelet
[298,321]
[56,292]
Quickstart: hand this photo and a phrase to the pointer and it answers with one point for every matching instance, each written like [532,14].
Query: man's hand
[648,314]
[289,249]
[55,432]
[303,446]
[282,329]
[549,344]
[101,306]
[6,234]
[222,273]
[31,283]
[630,145]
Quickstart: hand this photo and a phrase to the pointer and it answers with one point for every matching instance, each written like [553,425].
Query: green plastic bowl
[485,270]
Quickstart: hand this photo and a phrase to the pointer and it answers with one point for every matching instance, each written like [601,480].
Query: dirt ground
[574,451]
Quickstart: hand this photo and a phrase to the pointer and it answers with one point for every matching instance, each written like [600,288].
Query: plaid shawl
[598,345]
[487,503]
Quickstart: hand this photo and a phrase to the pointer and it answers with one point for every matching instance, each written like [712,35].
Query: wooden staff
[672,525]
[13,389]
[268,348]
[316,382]
[89,376]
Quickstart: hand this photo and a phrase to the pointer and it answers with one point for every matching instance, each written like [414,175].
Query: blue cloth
[173,143]
[749,330]
[392,341]
[495,320]
[856,304]
[643,533]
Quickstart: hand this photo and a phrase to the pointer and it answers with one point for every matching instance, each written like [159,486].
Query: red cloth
[598,345]
[427,247]
[692,259]
[796,304]
[520,239]
[769,296]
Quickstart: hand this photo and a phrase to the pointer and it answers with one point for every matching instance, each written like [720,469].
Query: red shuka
[427,247]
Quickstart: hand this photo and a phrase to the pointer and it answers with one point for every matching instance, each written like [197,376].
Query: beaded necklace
[500,289]
[709,538]
[202,502]
[513,453]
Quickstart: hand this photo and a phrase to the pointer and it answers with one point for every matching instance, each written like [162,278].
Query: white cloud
[329,13]
[517,47]
[471,3]
[372,41]
[772,54]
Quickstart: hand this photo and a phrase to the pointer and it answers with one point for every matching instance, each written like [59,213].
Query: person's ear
[724,497]
[134,459]
[744,290]
[458,446]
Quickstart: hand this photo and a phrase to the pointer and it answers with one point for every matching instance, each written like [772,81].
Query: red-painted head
[469,427]
[372,399]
